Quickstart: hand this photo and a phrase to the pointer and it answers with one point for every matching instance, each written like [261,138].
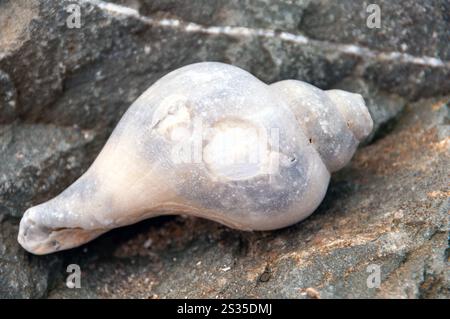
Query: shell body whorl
[213,141]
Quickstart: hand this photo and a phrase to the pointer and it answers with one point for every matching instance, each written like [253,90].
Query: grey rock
[38,160]
[281,15]
[417,28]
[8,99]
[23,275]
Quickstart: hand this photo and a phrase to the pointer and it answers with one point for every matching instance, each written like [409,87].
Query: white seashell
[213,141]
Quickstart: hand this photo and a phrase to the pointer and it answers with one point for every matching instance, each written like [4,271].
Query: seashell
[208,140]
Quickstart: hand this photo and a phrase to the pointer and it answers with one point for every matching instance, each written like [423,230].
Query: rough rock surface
[34,159]
[21,274]
[62,91]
